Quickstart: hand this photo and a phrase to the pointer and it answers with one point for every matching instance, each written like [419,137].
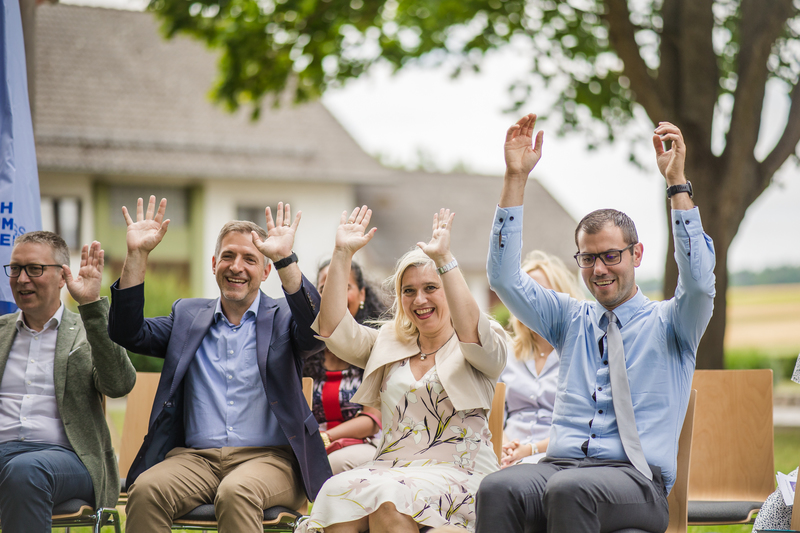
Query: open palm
[521,154]
[352,234]
[149,229]
[85,287]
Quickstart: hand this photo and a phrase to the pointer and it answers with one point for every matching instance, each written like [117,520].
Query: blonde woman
[532,374]
[431,370]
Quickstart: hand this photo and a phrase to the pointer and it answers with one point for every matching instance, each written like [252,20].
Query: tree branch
[622,35]
[699,80]
[787,144]
[760,27]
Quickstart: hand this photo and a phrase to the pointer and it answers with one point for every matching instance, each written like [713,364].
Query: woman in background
[532,374]
[348,429]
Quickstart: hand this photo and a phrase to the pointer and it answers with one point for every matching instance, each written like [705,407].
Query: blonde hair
[560,279]
[404,328]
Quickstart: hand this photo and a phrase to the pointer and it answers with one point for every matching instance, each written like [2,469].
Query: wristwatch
[286,261]
[675,189]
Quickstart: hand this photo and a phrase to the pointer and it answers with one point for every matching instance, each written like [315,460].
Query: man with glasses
[626,362]
[55,366]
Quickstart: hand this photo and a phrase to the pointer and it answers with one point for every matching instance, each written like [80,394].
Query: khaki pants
[240,482]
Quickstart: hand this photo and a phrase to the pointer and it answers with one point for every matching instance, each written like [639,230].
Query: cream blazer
[468,371]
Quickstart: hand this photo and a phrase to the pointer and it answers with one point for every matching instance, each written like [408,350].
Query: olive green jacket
[87,366]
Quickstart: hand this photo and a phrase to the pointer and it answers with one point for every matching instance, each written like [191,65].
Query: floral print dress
[428,464]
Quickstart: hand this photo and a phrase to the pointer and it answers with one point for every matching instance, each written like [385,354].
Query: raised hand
[520,152]
[85,288]
[352,234]
[148,230]
[280,233]
[438,248]
[670,162]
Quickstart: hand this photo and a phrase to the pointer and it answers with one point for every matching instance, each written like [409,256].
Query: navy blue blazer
[283,338]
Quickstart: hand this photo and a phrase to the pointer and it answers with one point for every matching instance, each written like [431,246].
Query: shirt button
[230,352]
[29,382]
[24,417]
[230,428]
[230,377]
[594,436]
[510,218]
[231,402]
[22,438]
[501,220]
[600,411]
[33,360]
[605,362]
[599,388]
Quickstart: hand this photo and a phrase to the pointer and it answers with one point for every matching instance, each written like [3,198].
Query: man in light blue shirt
[587,482]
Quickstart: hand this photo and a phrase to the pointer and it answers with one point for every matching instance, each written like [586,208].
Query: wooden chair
[275,518]
[732,467]
[137,418]
[679,496]
[496,419]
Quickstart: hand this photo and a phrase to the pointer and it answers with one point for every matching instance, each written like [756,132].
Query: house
[122,113]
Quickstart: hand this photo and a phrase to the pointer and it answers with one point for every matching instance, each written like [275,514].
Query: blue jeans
[34,477]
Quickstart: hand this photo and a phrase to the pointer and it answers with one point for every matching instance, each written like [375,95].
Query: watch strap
[448,267]
[286,261]
[683,187]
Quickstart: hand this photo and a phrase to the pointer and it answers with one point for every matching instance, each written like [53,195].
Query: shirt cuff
[688,221]
[507,219]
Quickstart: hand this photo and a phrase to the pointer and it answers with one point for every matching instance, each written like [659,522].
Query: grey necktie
[621,396]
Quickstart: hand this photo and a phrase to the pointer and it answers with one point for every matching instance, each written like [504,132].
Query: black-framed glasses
[609,257]
[33,271]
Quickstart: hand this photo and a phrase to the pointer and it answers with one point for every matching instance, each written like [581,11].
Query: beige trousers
[240,482]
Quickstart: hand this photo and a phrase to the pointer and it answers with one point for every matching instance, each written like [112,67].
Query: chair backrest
[496,419]
[137,416]
[732,455]
[679,497]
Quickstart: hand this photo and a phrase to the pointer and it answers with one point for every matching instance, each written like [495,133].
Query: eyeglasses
[33,271]
[609,257]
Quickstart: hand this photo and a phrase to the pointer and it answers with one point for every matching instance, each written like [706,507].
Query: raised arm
[113,372]
[279,244]
[521,156]
[464,310]
[671,162]
[351,236]
[141,238]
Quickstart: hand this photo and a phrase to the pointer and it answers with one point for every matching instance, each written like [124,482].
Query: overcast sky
[461,122]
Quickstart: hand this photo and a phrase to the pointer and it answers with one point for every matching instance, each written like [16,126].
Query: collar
[53,323]
[624,313]
[252,310]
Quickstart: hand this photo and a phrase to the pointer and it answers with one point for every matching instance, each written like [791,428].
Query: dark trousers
[572,495]
[34,477]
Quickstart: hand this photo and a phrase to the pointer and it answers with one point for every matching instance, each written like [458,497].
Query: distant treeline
[769,276]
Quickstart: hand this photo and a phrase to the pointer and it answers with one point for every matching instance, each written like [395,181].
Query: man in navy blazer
[229,424]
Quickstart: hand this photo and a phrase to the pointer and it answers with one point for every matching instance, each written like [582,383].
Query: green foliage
[781,364]
[784,274]
[269,44]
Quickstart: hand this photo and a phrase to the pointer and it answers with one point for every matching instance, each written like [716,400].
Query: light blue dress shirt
[660,341]
[226,404]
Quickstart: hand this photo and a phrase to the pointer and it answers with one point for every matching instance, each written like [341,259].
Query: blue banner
[20,204]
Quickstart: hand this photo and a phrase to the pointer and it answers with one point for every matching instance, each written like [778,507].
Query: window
[62,215]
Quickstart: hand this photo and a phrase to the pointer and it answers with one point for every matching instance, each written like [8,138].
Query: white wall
[321,205]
